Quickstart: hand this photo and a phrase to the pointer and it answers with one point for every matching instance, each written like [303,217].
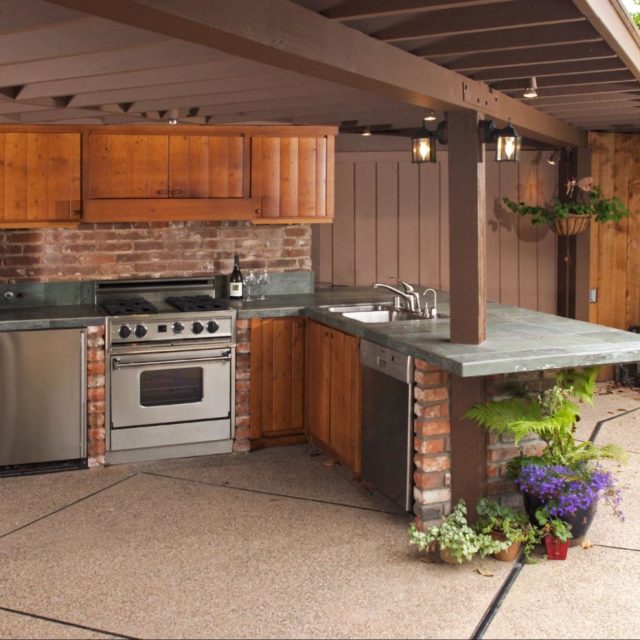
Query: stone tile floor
[279,544]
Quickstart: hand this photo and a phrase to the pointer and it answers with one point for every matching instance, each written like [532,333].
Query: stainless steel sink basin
[382,315]
[365,306]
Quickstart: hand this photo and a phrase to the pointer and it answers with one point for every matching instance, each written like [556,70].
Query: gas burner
[197,303]
[128,306]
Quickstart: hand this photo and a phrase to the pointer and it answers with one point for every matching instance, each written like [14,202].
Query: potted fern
[566,478]
[584,202]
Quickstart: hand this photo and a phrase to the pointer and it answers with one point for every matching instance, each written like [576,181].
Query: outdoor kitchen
[258,279]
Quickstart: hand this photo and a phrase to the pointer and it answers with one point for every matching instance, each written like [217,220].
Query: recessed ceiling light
[532,90]
[430,116]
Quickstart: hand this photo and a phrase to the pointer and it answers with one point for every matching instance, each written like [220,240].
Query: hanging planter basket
[570,226]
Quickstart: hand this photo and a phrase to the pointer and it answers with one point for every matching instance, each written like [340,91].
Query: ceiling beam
[285,35]
[550,69]
[510,39]
[543,103]
[360,9]
[611,21]
[520,13]
[546,82]
[536,55]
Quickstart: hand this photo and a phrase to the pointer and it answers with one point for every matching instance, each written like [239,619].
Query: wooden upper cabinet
[293,178]
[39,178]
[166,176]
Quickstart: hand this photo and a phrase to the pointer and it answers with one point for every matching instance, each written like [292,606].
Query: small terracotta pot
[556,549]
[510,553]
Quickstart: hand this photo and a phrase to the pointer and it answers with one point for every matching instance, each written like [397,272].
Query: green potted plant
[584,202]
[511,528]
[566,477]
[455,540]
[555,533]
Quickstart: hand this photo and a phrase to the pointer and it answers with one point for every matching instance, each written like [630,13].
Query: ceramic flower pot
[580,521]
[556,549]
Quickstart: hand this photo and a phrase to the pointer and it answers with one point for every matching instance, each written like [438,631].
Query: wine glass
[250,285]
[262,280]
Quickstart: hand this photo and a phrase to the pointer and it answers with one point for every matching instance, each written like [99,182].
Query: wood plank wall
[392,221]
[614,266]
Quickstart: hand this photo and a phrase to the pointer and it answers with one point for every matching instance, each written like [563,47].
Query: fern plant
[551,416]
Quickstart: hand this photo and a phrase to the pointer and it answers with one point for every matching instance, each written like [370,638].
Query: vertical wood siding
[615,247]
[392,220]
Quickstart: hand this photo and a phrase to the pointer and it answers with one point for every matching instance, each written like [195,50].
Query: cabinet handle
[161,192]
[175,192]
[258,211]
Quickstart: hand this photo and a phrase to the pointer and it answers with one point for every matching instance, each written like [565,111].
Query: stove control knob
[124,331]
[140,331]
[197,327]
[178,327]
[212,326]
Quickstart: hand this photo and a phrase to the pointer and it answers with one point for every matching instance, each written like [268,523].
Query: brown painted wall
[392,220]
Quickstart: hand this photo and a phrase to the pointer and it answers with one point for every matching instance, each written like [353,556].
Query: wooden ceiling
[146,60]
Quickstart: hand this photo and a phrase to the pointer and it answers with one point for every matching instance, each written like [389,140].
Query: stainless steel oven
[171,371]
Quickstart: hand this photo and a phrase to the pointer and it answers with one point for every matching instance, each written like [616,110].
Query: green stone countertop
[517,339]
[66,316]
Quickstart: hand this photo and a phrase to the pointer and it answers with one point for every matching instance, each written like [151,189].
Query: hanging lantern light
[423,144]
[508,144]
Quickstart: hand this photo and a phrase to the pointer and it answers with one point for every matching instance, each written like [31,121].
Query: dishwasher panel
[42,396]
[387,422]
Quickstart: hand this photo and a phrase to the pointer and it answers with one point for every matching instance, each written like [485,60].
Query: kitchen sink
[382,315]
[373,312]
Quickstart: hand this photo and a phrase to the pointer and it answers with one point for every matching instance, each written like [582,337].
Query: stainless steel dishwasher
[42,400]
[387,422]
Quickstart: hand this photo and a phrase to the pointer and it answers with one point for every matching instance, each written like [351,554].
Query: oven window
[171,386]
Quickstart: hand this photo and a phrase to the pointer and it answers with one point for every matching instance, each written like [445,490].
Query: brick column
[243,374]
[432,428]
[501,449]
[95,396]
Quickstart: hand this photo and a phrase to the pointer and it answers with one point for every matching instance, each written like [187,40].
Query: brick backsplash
[150,249]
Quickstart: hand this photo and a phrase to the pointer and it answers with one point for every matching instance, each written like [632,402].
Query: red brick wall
[432,446]
[501,449]
[95,395]
[155,249]
[243,373]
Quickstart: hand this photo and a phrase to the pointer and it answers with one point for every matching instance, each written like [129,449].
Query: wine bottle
[235,279]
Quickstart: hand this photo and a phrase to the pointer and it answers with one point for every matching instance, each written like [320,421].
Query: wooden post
[467,229]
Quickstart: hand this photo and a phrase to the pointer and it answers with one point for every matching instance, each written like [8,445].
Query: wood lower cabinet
[332,394]
[39,178]
[292,177]
[277,381]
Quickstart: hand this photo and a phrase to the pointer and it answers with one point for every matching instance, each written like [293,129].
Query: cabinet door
[128,166]
[206,166]
[39,177]
[317,381]
[344,437]
[277,378]
[293,178]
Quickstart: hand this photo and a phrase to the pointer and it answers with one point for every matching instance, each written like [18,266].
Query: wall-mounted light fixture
[554,157]
[507,140]
[532,90]
[424,142]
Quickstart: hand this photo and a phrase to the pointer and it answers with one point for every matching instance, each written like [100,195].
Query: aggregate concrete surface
[282,543]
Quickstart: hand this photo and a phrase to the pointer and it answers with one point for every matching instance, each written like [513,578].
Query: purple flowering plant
[567,489]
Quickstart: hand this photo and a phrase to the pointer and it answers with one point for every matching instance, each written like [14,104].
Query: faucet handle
[407,287]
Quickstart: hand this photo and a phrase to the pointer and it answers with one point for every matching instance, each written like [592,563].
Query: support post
[467,229]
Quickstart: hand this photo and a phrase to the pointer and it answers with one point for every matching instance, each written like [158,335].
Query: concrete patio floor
[278,543]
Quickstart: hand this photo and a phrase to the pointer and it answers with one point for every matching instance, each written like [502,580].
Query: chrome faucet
[411,297]
[430,312]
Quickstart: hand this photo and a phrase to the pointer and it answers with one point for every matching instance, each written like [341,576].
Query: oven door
[170,387]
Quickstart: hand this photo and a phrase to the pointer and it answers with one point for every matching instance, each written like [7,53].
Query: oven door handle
[123,365]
